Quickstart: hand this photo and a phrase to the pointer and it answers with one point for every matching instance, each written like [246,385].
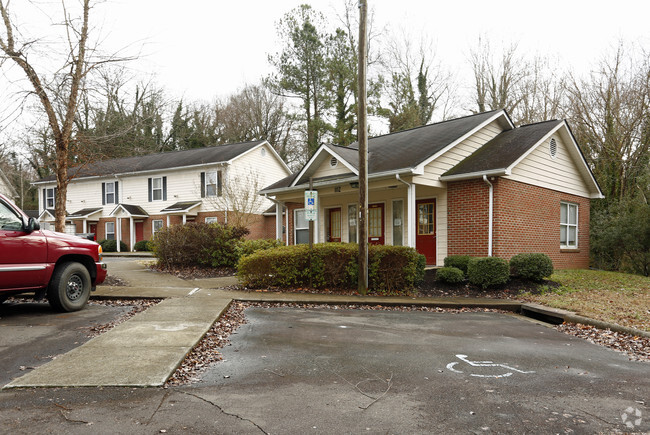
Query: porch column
[84,226]
[167,221]
[118,232]
[132,232]
[184,218]
[286,228]
[278,220]
[411,227]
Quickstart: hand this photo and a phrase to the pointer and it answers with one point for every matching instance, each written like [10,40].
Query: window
[109,193]
[9,220]
[426,220]
[211,220]
[213,183]
[110,230]
[301,226]
[50,195]
[157,189]
[352,223]
[156,225]
[398,222]
[568,225]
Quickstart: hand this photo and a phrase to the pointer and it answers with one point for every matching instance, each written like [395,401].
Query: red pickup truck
[63,267]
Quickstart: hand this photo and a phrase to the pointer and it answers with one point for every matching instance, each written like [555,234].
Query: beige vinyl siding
[455,155]
[559,173]
[326,170]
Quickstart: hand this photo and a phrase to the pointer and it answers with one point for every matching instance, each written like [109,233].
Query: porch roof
[85,213]
[180,207]
[131,210]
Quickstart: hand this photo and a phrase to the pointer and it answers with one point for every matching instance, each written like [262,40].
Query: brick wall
[526,219]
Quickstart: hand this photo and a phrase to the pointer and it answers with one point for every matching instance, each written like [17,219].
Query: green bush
[458,261]
[111,246]
[488,271]
[142,245]
[332,265]
[535,267]
[450,275]
[247,247]
[198,244]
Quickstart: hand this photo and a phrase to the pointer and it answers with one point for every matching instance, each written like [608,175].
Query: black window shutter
[202,184]
[116,201]
[103,193]
[55,189]
[219,183]
[150,191]
[45,199]
[164,188]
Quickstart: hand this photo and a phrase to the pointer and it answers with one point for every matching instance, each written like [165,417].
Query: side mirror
[32,225]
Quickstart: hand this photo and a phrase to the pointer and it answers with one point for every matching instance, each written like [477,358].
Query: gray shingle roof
[504,149]
[180,206]
[134,210]
[85,212]
[173,159]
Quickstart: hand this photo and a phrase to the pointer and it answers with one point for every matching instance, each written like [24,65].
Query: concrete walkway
[146,350]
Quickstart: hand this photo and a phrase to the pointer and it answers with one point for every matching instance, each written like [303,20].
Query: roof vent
[333,162]
[552,148]
[263,152]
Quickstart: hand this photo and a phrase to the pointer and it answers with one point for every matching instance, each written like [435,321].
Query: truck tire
[69,289]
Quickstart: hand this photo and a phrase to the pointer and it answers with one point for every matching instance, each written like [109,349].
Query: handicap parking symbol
[504,370]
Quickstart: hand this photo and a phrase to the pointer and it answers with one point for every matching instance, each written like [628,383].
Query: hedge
[488,271]
[198,244]
[142,245]
[111,246]
[450,275]
[535,267]
[332,265]
[458,261]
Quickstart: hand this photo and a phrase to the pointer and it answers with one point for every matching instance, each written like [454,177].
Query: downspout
[410,207]
[490,214]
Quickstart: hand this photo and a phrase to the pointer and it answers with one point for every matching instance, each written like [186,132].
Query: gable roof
[500,153]
[161,161]
[401,151]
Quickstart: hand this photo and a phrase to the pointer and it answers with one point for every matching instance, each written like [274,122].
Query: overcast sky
[206,49]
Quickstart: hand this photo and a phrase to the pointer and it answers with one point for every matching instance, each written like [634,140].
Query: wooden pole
[362,132]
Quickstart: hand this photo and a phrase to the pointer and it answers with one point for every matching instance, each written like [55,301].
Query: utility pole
[362,133]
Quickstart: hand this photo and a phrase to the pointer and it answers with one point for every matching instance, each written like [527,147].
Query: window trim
[295,224]
[568,225]
[213,220]
[218,183]
[356,223]
[153,226]
[48,197]
[154,189]
[106,193]
[106,232]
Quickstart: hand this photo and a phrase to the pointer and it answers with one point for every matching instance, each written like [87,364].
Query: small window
[568,225]
[110,193]
[156,225]
[213,183]
[157,189]
[211,220]
[333,162]
[352,223]
[398,222]
[301,226]
[49,198]
[552,148]
[110,230]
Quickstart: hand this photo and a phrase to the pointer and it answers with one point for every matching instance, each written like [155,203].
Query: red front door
[139,231]
[335,225]
[92,228]
[376,224]
[425,225]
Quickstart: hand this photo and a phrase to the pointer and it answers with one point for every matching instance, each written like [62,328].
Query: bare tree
[58,95]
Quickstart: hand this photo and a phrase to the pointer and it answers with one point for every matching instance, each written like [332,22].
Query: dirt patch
[194,272]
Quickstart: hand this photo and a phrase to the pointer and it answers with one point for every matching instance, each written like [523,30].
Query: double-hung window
[156,225]
[213,183]
[109,197]
[110,230]
[50,195]
[568,225]
[301,225]
[157,189]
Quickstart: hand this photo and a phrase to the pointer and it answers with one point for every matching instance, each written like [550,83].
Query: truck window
[9,220]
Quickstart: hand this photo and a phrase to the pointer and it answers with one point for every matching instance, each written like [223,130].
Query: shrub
[488,271]
[450,275]
[142,245]
[111,246]
[332,265]
[247,247]
[458,261]
[198,244]
[531,266]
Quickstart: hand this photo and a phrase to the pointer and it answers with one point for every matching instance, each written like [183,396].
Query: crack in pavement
[224,412]
[159,406]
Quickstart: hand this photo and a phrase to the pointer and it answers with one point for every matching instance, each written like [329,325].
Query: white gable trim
[46,216]
[575,151]
[502,113]
[273,151]
[321,149]
[126,212]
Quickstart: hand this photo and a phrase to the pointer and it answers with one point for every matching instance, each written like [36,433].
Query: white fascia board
[275,154]
[534,147]
[185,210]
[479,174]
[45,213]
[581,158]
[497,115]
[85,216]
[342,160]
[119,206]
[323,148]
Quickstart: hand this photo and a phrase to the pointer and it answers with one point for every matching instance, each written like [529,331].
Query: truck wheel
[69,289]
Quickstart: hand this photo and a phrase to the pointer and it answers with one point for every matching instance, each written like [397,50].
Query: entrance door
[376,224]
[425,239]
[335,225]
[139,231]
[92,228]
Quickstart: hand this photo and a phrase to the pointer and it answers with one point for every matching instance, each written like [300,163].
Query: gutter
[490,214]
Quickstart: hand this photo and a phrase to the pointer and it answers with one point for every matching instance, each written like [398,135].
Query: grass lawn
[609,296]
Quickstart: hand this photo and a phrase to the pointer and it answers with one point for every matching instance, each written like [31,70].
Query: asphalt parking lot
[350,371]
